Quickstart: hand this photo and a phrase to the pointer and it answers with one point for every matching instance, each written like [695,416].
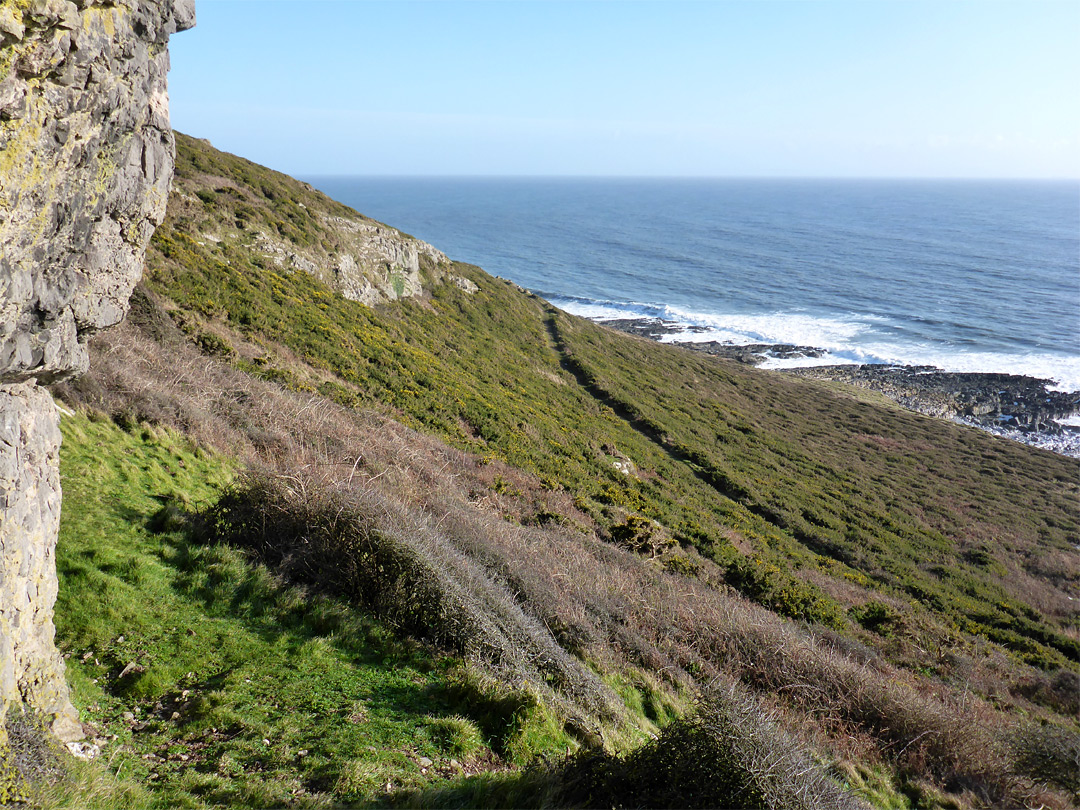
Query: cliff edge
[86,158]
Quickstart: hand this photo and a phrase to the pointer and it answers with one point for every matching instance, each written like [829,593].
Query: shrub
[1049,754]
[682,565]
[641,535]
[728,754]
[213,345]
[1059,691]
[359,545]
[877,617]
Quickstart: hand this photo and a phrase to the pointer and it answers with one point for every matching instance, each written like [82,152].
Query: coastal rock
[86,157]
[464,284]
[651,328]
[753,354]
[989,400]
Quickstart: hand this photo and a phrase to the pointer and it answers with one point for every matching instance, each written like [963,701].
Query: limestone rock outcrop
[383,265]
[86,158]
[371,263]
[30,485]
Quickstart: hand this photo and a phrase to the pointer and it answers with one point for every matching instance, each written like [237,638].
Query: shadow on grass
[226,583]
[532,788]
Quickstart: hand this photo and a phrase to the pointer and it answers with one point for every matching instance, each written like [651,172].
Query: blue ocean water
[964,275]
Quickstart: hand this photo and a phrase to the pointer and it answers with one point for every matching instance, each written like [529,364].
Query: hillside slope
[817,479]
[584,515]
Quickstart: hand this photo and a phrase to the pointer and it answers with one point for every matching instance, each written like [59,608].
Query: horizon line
[473,176]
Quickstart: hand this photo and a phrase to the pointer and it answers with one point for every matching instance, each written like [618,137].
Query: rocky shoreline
[1008,405]
[752,354]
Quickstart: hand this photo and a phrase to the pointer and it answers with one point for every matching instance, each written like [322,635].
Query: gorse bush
[876,617]
[1049,754]
[642,535]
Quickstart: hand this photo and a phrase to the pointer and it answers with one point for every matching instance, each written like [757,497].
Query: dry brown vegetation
[431,538]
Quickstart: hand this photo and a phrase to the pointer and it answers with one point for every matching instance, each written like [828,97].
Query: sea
[964,275]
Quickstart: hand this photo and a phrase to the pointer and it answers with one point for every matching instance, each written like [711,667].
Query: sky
[809,88]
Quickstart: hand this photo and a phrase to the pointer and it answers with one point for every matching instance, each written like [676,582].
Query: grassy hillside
[584,531]
[807,477]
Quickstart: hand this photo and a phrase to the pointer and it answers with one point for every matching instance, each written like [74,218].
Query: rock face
[372,263]
[384,265]
[86,157]
[30,483]
[375,262]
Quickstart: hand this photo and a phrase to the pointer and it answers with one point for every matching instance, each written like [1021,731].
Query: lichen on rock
[85,163]
[86,158]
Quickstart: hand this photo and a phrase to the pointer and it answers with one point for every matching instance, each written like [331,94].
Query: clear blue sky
[889,88]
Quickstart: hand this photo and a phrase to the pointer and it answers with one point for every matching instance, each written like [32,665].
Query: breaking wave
[848,338]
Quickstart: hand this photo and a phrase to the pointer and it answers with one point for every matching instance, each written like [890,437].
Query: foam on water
[777,327]
[798,328]
[852,339]
[602,310]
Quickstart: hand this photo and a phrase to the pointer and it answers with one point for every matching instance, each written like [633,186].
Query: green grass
[781,482]
[222,685]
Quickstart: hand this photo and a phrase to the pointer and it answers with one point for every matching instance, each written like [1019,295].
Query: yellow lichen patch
[104,170]
[20,159]
[103,18]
